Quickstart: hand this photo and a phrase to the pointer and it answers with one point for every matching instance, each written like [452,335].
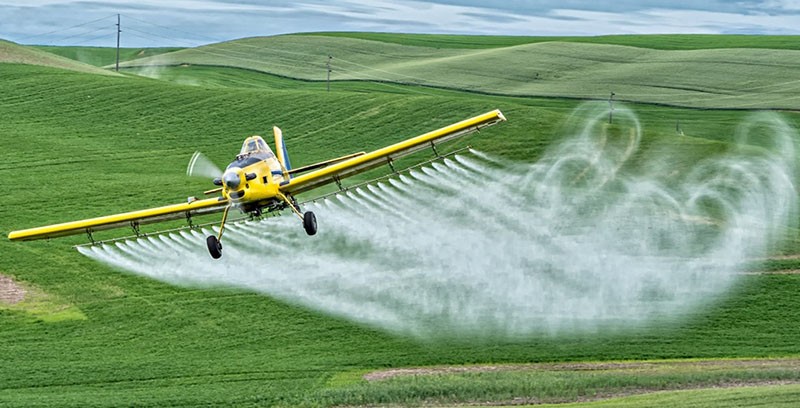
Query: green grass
[654,41]
[744,78]
[778,396]
[559,383]
[103,56]
[78,145]
[11,53]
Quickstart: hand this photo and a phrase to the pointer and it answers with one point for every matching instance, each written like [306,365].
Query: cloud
[784,5]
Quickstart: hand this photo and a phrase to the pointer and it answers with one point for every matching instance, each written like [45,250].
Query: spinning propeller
[202,166]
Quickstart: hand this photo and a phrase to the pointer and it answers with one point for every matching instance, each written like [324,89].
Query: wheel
[214,246]
[310,223]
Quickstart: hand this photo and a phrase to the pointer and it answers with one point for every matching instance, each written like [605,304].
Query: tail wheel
[310,223]
[214,246]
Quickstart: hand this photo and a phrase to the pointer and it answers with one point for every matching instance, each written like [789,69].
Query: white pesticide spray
[476,246]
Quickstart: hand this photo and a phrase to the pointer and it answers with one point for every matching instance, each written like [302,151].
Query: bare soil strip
[626,391]
[777,363]
[10,292]
[629,392]
[778,272]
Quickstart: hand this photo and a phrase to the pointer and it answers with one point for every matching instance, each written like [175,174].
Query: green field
[654,41]
[102,56]
[771,396]
[742,78]
[78,144]
[16,54]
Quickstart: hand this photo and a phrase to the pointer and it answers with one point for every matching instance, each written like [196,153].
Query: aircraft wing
[364,162]
[128,219]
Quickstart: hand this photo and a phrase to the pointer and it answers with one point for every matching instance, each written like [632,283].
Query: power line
[157,37]
[81,34]
[64,29]
[92,39]
[174,29]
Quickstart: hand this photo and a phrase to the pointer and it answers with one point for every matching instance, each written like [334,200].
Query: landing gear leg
[308,218]
[213,242]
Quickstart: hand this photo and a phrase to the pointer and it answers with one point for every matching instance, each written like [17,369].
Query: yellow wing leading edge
[165,213]
[364,162]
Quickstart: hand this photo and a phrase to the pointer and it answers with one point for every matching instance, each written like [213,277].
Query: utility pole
[610,107]
[119,30]
[329,72]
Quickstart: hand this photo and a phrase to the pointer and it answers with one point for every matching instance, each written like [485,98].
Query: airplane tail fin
[280,151]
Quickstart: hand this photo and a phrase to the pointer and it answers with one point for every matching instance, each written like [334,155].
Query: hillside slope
[12,53]
[715,78]
[102,56]
[653,41]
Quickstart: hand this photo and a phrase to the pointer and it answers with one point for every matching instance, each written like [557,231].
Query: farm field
[13,53]
[78,144]
[746,78]
[102,56]
[653,41]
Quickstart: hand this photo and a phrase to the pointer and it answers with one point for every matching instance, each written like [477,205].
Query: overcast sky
[194,22]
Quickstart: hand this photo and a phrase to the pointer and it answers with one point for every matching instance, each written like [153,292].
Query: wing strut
[433,146]
[135,228]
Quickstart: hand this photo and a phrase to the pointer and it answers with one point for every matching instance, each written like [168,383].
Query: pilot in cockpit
[254,144]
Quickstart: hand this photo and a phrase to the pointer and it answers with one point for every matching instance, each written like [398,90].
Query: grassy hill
[654,41]
[18,54]
[744,78]
[102,56]
[79,145]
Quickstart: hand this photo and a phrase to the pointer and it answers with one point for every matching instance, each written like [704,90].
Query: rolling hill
[102,56]
[745,78]
[80,144]
[11,53]
[652,41]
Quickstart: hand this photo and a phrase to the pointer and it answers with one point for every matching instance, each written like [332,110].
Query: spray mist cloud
[580,240]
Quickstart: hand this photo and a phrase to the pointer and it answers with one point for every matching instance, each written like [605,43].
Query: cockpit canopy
[254,144]
[254,150]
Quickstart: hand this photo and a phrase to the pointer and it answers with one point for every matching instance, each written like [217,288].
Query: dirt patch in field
[10,292]
[778,363]
[632,367]
[630,392]
[778,272]
[784,257]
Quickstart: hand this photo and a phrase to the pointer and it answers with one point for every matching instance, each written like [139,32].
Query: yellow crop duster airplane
[259,180]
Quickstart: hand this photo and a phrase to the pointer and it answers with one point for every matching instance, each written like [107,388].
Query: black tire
[214,246]
[310,223]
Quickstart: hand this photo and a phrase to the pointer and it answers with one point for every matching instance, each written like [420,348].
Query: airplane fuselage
[251,182]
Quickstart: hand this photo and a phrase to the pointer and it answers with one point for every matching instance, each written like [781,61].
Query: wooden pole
[118,31]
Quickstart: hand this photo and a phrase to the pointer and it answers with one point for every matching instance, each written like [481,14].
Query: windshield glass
[254,144]
[247,160]
[254,150]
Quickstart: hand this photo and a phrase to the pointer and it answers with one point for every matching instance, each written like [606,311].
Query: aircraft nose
[231,180]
